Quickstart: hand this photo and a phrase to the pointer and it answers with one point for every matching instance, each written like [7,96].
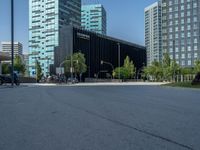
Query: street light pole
[71,69]
[119,59]
[36,63]
[12,42]
[174,61]
[108,63]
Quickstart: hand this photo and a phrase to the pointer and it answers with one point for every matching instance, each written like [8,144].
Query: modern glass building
[93,18]
[153,32]
[181,30]
[46,18]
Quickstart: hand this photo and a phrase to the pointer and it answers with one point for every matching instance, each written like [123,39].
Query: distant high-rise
[153,32]
[181,30]
[18,48]
[93,18]
[46,17]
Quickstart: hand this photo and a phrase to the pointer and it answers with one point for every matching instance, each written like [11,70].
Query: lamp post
[48,68]
[71,67]
[12,42]
[36,72]
[119,59]
[174,73]
[108,63]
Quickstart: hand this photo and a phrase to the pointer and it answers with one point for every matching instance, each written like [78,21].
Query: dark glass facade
[97,47]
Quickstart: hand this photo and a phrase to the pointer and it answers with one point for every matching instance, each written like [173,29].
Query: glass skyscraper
[46,17]
[93,18]
[181,30]
[153,37]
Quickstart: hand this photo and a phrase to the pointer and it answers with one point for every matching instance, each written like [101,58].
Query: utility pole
[12,42]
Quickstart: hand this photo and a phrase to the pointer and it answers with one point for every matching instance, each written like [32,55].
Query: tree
[166,60]
[186,71]
[197,67]
[166,63]
[5,68]
[154,71]
[127,71]
[78,64]
[174,69]
[129,67]
[38,71]
[122,71]
[19,65]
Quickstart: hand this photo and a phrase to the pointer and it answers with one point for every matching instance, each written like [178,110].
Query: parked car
[7,79]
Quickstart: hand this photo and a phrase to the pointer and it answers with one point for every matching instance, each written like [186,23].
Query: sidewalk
[98,84]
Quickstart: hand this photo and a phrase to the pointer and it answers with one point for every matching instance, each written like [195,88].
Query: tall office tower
[181,30]
[46,18]
[18,48]
[153,24]
[93,18]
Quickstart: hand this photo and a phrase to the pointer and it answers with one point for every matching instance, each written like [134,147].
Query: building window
[189,27]
[189,34]
[188,6]
[183,63]
[195,47]
[189,55]
[177,50]
[195,40]
[195,55]
[188,20]
[189,48]
[194,5]
[182,7]
[189,62]
[183,56]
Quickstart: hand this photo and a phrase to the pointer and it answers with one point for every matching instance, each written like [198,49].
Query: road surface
[99,118]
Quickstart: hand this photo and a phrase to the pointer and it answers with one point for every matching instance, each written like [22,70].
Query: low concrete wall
[27,80]
[90,80]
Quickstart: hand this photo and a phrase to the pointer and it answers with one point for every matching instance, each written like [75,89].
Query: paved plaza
[106,117]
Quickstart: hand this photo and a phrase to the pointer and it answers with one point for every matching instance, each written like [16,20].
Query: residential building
[18,48]
[46,18]
[93,18]
[153,24]
[181,30]
[96,48]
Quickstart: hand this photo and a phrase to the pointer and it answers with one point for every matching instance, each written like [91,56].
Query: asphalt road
[99,118]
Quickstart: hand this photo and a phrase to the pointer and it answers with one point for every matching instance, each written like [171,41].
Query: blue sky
[125,19]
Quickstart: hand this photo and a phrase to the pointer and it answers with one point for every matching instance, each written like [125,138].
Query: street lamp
[36,72]
[71,68]
[12,42]
[119,59]
[108,63]
[174,73]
